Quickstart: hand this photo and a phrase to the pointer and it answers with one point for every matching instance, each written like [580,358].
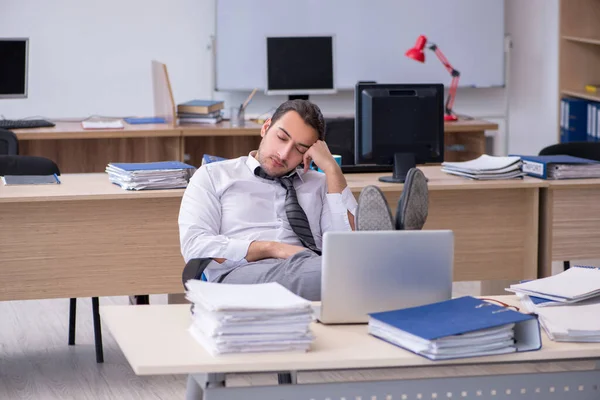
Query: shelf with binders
[579,51]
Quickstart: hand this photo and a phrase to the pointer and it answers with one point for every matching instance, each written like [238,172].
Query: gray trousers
[300,273]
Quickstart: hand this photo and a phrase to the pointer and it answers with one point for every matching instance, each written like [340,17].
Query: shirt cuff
[340,203]
[236,249]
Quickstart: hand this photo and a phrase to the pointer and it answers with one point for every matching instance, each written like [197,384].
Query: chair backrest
[27,165]
[9,144]
[589,150]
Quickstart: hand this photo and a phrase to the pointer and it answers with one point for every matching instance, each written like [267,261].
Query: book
[456,328]
[200,106]
[30,179]
[190,121]
[213,114]
[560,167]
[145,120]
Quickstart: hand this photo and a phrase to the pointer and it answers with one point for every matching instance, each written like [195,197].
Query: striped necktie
[295,214]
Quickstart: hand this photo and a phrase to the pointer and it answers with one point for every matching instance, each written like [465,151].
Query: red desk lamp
[417,53]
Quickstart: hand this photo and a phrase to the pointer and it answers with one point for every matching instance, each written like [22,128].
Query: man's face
[284,143]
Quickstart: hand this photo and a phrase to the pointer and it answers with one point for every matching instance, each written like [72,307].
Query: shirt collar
[252,163]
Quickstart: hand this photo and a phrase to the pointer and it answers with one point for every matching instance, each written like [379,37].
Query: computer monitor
[400,125]
[300,66]
[13,67]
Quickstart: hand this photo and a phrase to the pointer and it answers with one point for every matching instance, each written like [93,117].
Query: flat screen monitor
[400,125]
[301,65]
[13,67]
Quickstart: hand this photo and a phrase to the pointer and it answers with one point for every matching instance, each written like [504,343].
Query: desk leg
[197,383]
[193,391]
[287,378]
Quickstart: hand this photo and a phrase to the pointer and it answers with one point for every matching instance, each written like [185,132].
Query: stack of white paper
[573,285]
[579,322]
[568,304]
[157,175]
[248,318]
[486,168]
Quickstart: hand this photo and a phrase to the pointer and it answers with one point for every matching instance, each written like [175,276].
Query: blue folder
[460,316]
[538,166]
[152,166]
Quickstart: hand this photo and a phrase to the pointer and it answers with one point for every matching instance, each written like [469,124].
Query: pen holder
[236,117]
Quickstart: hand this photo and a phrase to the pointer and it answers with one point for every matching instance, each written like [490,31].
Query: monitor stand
[298,97]
[402,163]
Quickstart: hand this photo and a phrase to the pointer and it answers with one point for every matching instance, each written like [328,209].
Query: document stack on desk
[248,318]
[157,175]
[457,328]
[571,286]
[560,167]
[200,112]
[568,304]
[486,168]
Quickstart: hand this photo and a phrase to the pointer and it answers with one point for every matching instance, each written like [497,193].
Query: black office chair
[27,165]
[589,150]
[9,144]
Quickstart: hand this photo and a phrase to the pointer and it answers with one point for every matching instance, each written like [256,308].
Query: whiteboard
[371,37]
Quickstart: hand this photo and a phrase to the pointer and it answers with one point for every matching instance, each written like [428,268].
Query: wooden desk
[87,237]
[495,223]
[155,340]
[570,222]
[76,150]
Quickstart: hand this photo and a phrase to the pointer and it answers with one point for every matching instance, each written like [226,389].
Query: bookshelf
[579,48]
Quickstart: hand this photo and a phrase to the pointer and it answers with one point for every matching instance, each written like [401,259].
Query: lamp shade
[417,53]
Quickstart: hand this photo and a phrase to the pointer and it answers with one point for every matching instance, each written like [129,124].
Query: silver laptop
[372,271]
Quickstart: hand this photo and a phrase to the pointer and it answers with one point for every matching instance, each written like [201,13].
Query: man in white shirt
[261,218]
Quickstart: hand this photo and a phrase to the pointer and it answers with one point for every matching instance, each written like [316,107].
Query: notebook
[30,179]
[456,328]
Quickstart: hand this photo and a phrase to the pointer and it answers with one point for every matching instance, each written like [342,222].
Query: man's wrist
[332,168]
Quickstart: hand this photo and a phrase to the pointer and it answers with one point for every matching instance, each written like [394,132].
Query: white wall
[94,58]
[533,112]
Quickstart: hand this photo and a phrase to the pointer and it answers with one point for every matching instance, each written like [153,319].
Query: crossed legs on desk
[373,212]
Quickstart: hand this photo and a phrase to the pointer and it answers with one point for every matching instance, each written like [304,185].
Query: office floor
[37,363]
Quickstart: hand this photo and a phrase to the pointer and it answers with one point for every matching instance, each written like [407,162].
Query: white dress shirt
[225,207]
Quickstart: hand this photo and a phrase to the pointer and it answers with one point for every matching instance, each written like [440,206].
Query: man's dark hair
[309,112]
